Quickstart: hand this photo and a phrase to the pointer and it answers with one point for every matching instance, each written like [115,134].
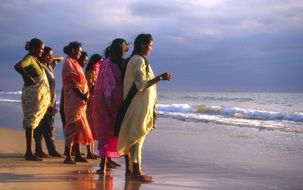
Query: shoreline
[179,155]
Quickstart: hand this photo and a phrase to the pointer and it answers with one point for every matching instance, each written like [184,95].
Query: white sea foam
[14,96]
[285,126]
[183,108]
[260,110]
[9,100]
[15,92]
[232,112]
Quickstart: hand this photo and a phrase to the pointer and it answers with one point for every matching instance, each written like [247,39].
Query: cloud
[247,41]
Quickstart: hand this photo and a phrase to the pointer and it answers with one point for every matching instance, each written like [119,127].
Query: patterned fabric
[107,99]
[76,129]
[91,77]
[139,118]
[52,83]
[35,99]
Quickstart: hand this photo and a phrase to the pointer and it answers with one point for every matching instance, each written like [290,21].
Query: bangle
[160,77]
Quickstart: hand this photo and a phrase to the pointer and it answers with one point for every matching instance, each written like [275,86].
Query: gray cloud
[209,45]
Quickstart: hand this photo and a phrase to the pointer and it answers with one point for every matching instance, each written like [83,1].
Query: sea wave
[9,100]
[229,112]
[283,126]
[197,97]
[14,92]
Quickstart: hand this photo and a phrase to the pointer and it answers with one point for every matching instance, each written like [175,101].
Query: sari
[35,98]
[76,129]
[91,77]
[139,119]
[107,99]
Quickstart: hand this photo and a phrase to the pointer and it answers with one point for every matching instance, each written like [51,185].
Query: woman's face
[76,53]
[148,48]
[47,58]
[38,52]
[125,47]
[83,61]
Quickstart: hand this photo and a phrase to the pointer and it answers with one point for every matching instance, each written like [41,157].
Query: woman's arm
[28,80]
[140,75]
[84,96]
[163,76]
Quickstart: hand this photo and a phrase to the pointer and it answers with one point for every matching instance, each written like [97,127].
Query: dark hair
[34,43]
[83,54]
[92,61]
[107,52]
[71,46]
[141,39]
[47,50]
[117,52]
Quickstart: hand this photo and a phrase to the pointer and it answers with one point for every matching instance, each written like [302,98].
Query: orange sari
[76,129]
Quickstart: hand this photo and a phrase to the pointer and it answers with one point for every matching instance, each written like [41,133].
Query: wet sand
[177,155]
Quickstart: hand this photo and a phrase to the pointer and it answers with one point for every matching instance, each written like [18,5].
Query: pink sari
[76,129]
[107,99]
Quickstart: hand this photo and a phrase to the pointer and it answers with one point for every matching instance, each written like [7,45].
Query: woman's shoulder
[28,58]
[137,57]
[69,60]
[136,60]
[26,61]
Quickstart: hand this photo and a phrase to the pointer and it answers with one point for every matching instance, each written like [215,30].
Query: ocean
[212,140]
[270,111]
[265,111]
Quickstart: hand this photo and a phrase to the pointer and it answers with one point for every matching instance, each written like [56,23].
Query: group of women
[113,102]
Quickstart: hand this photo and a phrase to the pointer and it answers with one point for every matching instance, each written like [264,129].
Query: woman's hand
[33,82]
[163,76]
[83,96]
[166,76]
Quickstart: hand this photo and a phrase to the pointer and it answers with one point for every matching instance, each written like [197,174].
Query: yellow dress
[139,118]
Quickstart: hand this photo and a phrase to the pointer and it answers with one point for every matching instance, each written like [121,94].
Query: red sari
[76,129]
[107,99]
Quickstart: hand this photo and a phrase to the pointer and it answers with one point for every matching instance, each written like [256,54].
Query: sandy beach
[189,158]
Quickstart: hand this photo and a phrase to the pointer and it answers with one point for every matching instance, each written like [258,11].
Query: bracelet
[160,77]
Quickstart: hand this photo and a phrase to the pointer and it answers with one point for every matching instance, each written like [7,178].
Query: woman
[107,99]
[91,72]
[35,92]
[75,90]
[139,118]
[46,128]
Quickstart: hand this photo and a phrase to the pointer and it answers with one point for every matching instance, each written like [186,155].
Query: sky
[208,45]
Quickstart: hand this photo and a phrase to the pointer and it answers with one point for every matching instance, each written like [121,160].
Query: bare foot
[114,163]
[109,165]
[142,178]
[91,156]
[80,159]
[32,157]
[55,154]
[69,161]
[42,154]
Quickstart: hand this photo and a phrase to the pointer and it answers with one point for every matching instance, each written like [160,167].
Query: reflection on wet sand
[132,185]
[90,180]
[106,182]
